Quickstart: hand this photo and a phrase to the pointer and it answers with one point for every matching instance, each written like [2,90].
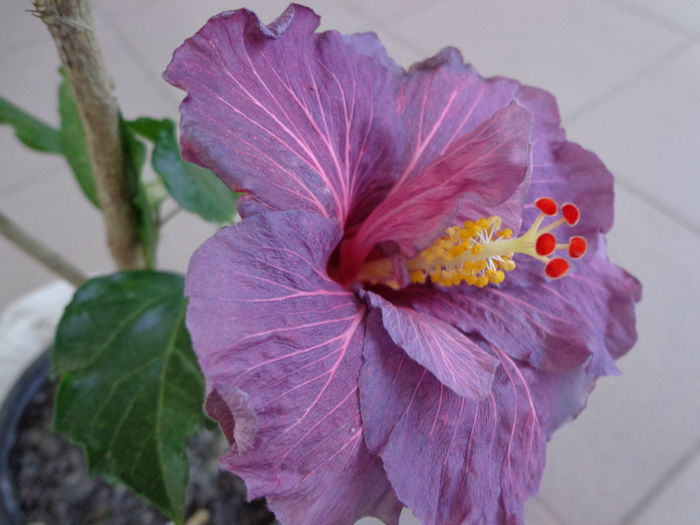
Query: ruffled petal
[551,325]
[450,459]
[442,99]
[546,136]
[296,119]
[453,358]
[565,172]
[280,347]
[485,166]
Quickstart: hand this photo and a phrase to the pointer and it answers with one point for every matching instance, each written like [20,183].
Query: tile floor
[627,76]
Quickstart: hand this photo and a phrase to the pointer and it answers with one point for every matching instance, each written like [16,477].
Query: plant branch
[39,251]
[70,25]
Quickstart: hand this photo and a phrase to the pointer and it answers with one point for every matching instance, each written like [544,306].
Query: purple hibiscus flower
[386,326]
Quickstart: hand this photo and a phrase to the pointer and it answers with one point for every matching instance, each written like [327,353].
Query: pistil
[479,252]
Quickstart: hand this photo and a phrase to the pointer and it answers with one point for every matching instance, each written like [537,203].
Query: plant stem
[39,251]
[70,25]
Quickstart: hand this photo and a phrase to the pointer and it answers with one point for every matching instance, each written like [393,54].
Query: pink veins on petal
[420,272]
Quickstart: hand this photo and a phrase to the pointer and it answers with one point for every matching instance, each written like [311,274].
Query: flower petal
[565,172]
[450,459]
[552,325]
[453,358]
[442,99]
[296,119]
[277,338]
[487,166]
[546,133]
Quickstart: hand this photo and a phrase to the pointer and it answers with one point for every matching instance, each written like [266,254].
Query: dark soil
[54,488]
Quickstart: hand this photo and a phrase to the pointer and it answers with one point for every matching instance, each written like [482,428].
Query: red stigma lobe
[571,213]
[545,244]
[577,247]
[546,205]
[556,268]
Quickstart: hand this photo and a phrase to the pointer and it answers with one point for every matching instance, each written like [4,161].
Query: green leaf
[135,158]
[130,391]
[32,132]
[195,189]
[73,143]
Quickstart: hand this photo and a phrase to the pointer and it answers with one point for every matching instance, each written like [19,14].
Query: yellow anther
[477,252]
[508,265]
[469,253]
[498,277]
[418,277]
[456,250]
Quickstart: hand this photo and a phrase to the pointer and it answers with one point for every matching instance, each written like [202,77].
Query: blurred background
[626,74]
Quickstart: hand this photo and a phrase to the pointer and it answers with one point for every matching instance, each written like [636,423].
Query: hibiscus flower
[418,293]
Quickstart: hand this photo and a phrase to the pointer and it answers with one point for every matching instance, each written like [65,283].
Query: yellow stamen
[477,253]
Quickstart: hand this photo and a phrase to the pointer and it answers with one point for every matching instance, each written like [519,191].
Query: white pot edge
[27,328]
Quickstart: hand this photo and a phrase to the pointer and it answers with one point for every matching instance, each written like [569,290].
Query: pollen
[480,253]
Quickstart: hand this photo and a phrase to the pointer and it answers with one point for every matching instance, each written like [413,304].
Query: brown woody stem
[70,24]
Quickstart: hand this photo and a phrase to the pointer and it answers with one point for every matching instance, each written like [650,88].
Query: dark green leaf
[135,157]
[32,132]
[130,390]
[194,188]
[73,142]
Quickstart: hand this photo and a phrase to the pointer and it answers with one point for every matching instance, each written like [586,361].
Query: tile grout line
[550,513]
[678,49]
[679,219]
[659,21]
[135,55]
[623,83]
[387,28]
[392,18]
[25,43]
[653,495]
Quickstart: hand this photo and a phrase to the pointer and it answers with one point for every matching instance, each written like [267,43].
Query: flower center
[480,252]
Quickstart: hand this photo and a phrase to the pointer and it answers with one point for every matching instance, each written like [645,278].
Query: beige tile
[19,28]
[679,502]
[407,518]
[22,167]
[637,425]
[648,134]
[388,11]
[574,49]
[536,513]
[55,212]
[140,90]
[30,80]
[155,48]
[20,273]
[180,238]
[682,15]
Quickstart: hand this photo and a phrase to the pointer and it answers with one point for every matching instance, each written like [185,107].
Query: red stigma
[577,247]
[546,205]
[571,213]
[545,244]
[556,268]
